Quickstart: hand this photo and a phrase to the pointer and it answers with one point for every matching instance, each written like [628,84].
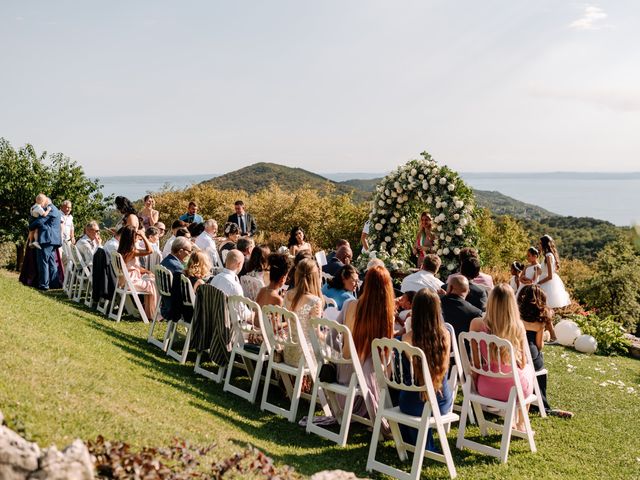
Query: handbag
[328,373]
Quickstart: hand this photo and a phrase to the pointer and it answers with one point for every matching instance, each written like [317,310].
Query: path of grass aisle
[66,373]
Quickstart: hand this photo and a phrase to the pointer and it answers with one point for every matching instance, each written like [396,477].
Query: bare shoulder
[477,325]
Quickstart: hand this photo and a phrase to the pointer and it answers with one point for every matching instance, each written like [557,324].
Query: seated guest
[174,262]
[534,313]
[455,309]
[340,242]
[403,313]
[195,229]
[111,245]
[192,216]
[342,287]
[162,229]
[227,281]
[430,335]
[305,300]
[257,265]
[297,241]
[153,234]
[174,228]
[343,257]
[231,236]
[246,246]
[206,242]
[503,320]
[483,279]
[142,279]
[89,242]
[425,277]
[243,220]
[148,214]
[302,255]
[477,295]
[198,269]
[183,232]
[129,213]
[279,265]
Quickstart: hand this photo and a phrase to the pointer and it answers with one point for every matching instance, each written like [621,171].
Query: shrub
[501,240]
[608,333]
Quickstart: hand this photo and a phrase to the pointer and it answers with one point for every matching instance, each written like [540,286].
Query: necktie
[241,217]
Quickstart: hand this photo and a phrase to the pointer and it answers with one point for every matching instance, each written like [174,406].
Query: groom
[50,239]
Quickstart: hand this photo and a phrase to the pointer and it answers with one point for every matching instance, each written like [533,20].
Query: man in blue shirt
[192,216]
[49,238]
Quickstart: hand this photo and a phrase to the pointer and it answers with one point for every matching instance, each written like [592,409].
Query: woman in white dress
[531,273]
[550,281]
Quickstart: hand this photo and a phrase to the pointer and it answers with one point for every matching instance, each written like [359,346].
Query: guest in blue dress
[430,335]
[341,287]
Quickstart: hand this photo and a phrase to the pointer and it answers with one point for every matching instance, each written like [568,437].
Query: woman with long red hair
[369,316]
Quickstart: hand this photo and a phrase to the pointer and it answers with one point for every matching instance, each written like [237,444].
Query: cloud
[591,19]
[611,99]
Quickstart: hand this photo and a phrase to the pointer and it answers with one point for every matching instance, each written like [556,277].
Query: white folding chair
[69,268]
[387,361]
[321,258]
[536,385]
[334,344]
[188,299]
[82,275]
[284,331]
[487,360]
[455,377]
[243,328]
[329,302]
[152,260]
[124,288]
[164,280]
[325,277]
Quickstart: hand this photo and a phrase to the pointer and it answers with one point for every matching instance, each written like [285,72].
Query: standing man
[192,214]
[207,243]
[244,220]
[50,239]
[66,222]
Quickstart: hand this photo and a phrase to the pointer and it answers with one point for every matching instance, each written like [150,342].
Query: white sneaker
[35,245]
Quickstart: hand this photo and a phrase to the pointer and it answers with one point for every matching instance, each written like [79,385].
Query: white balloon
[586,344]
[567,332]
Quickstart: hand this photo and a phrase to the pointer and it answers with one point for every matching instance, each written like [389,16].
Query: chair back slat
[284,331]
[486,355]
[390,371]
[243,325]
[332,341]
[329,302]
[164,279]
[186,289]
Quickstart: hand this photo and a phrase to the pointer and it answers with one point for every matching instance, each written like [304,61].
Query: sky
[190,87]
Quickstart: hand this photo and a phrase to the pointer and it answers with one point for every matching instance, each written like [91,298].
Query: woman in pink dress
[141,278]
[503,320]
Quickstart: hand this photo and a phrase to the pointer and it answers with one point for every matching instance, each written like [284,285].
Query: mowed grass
[66,372]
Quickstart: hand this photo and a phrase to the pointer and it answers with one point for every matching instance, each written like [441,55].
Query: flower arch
[417,186]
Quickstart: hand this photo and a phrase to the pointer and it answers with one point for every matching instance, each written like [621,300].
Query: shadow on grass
[309,453]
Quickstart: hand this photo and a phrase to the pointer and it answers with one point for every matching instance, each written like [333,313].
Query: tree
[24,174]
[501,240]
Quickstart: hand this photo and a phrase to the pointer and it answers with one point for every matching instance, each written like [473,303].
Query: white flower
[463,222]
[395,234]
[414,172]
[442,217]
[429,199]
[389,201]
[386,192]
[400,200]
[394,194]
[396,214]
[425,185]
[403,219]
[443,204]
[421,176]
[451,266]
[458,231]
[438,199]
[443,180]
[439,252]
[456,251]
[451,187]
[439,228]
[378,226]
[445,251]
[442,236]
[383,221]
[420,193]
[394,250]
[405,198]
[399,189]
[387,238]
[438,204]
[459,204]
[383,245]
[432,181]
[456,216]
[381,203]
[410,179]
[396,185]
[448,239]
[394,220]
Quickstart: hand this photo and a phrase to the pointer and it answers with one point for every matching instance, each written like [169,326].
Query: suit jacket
[458,312]
[48,228]
[250,227]
[477,296]
[333,267]
[171,263]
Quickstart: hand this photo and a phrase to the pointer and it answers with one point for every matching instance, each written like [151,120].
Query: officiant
[244,220]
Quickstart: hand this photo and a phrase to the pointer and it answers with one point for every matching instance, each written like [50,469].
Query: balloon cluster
[569,335]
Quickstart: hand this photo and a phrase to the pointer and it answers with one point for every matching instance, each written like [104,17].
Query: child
[37,210]
[516,270]
[403,313]
[532,272]
[549,280]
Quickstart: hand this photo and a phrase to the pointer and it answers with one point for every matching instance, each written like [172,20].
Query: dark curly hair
[124,206]
[532,302]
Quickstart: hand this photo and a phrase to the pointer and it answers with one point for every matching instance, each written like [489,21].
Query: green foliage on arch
[422,185]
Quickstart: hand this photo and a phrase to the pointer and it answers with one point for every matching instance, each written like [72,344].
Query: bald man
[227,280]
[455,309]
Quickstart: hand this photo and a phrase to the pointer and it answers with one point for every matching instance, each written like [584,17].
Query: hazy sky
[135,87]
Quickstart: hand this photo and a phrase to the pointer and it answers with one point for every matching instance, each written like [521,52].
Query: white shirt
[37,210]
[87,248]
[67,226]
[419,280]
[206,243]
[111,246]
[228,282]
[167,246]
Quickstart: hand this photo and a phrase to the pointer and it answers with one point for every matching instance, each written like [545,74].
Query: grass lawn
[66,372]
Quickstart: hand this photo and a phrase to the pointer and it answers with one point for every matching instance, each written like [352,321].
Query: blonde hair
[503,320]
[199,265]
[41,198]
[306,280]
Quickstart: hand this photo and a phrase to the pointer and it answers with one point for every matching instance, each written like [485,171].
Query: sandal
[554,412]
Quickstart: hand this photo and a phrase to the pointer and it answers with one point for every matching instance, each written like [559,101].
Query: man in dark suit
[343,257]
[455,309]
[244,220]
[180,249]
[50,239]
[477,296]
